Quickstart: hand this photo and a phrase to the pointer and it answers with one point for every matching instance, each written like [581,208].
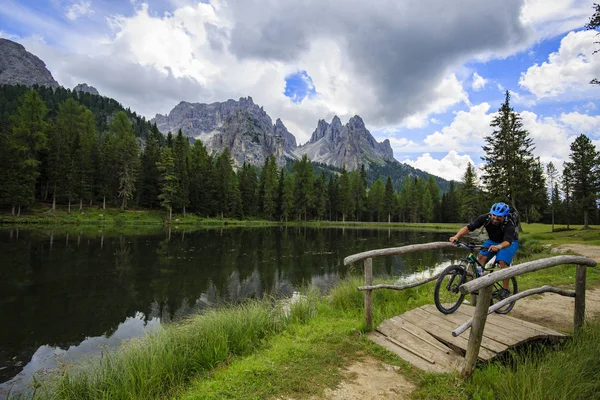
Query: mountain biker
[503,239]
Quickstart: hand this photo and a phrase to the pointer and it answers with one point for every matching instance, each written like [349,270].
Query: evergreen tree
[358,182]
[169,184]
[389,201]
[552,175]
[450,205]
[287,195]
[332,197]
[203,183]
[83,156]
[249,190]
[28,139]
[537,200]
[469,195]
[126,157]
[434,190]
[567,182]
[181,150]
[345,195]
[584,169]
[149,186]
[227,188]
[376,200]
[303,186]
[268,188]
[509,148]
[320,191]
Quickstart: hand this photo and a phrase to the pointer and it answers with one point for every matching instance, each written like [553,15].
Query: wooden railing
[483,285]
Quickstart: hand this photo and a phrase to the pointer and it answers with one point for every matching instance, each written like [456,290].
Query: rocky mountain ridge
[85,88]
[346,146]
[20,67]
[241,126]
[248,132]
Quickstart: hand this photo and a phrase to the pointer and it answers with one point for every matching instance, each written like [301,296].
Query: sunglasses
[497,217]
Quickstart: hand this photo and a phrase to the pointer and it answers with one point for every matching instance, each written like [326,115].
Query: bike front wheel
[499,293]
[447,296]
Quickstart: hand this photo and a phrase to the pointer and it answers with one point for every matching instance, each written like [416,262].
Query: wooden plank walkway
[423,336]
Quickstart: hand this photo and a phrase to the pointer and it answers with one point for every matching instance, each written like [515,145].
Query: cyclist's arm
[462,232]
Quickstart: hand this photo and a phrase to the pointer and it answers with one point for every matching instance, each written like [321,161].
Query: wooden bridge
[436,342]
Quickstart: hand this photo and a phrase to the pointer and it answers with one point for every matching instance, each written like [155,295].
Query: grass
[261,350]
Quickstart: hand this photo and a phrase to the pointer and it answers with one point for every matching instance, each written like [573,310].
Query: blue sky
[428,81]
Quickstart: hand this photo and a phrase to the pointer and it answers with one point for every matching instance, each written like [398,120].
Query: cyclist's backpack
[512,217]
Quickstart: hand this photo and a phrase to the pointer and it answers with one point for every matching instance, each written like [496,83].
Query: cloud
[466,132]
[478,82]
[567,73]
[81,9]
[451,167]
[552,18]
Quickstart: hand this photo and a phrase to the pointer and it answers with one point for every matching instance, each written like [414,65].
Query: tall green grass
[545,374]
[159,363]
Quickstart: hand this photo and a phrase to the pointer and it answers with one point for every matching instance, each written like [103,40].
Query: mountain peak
[20,67]
[345,146]
[83,87]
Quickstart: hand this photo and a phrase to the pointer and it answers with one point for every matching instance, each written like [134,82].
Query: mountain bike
[447,295]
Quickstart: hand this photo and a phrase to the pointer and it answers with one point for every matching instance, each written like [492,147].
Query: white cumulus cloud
[567,73]
[450,167]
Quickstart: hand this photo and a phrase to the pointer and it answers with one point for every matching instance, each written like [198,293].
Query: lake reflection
[67,295]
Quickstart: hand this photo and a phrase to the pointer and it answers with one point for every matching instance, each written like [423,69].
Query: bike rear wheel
[499,293]
[447,296]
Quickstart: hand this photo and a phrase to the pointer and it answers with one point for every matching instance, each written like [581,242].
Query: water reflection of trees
[58,291]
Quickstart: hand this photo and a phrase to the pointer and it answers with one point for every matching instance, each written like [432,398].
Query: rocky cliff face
[241,126]
[347,145]
[83,87]
[20,67]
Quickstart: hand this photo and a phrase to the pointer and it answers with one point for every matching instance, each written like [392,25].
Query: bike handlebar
[470,246]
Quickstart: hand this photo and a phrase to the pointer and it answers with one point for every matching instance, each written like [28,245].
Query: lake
[65,294]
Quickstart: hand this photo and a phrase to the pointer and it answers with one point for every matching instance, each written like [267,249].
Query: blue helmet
[500,209]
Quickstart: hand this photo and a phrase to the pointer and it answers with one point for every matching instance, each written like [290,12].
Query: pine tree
[203,183]
[287,195]
[83,155]
[567,186]
[584,169]
[126,157]
[27,140]
[320,191]
[594,23]
[469,195]
[376,201]
[181,150]
[389,201]
[149,186]
[304,188]
[169,185]
[552,175]
[507,173]
[345,195]
[249,189]
[268,188]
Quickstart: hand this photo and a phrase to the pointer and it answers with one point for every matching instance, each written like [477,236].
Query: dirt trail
[373,379]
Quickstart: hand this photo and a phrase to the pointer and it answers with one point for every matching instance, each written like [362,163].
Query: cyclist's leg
[485,255]
[505,256]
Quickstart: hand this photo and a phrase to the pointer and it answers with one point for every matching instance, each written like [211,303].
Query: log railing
[483,284]
[367,258]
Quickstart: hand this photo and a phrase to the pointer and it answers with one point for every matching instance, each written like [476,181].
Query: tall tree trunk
[54,199]
[183,211]
[104,202]
[81,204]
[170,214]
[13,210]
[69,204]
[389,218]
[585,219]
[552,218]
[19,212]
[124,203]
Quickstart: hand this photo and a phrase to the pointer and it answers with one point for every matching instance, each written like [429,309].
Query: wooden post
[369,293]
[579,299]
[473,299]
[476,335]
